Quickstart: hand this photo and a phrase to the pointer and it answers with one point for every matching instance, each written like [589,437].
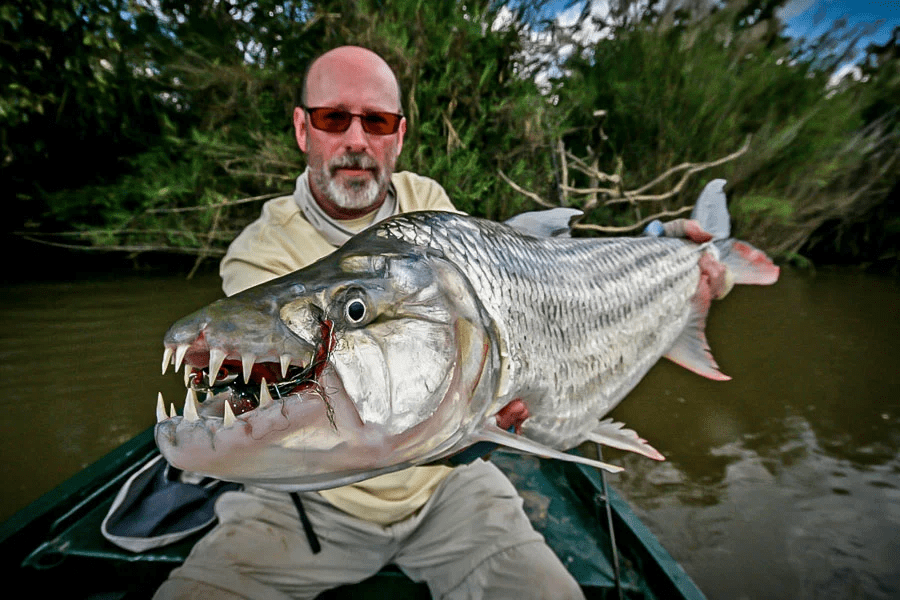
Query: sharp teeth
[172,412]
[179,355]
[187,376]
[265,398]
[190,406]
[216,357]
[167,358]
[229,414]
[285,365]
[160,408]
[247,362]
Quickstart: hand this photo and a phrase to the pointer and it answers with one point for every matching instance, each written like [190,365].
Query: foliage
[226,76]
[141,125]
[71,101]
[674,88]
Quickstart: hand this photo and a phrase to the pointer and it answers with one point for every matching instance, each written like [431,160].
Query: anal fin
[491,433]
[691,350]
[612,433]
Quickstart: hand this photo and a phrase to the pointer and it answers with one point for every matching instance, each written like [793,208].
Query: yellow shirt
[281,241]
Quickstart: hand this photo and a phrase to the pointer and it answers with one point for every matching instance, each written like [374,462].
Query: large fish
[401,347]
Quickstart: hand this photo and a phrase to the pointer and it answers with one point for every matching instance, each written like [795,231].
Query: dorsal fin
[553,222]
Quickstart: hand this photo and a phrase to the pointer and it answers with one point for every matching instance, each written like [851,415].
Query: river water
[782,483]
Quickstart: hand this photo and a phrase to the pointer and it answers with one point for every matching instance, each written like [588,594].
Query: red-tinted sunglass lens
[381,123]
[332,121]
[338,121]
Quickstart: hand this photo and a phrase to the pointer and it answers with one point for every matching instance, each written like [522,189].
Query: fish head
[369,361]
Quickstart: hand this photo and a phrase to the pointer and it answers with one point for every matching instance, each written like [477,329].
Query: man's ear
[300,127]
[401,132]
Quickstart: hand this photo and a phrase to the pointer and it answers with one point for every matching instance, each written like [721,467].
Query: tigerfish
[401,347]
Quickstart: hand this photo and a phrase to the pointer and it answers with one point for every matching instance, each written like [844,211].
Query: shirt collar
[334,231]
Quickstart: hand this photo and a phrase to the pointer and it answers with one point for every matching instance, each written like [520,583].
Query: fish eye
[355,310]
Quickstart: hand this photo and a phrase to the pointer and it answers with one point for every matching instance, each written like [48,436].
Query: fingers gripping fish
[402,347]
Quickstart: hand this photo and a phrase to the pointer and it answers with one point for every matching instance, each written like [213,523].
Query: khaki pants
[470,540]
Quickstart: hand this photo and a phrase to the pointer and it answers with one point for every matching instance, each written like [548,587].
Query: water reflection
[782,483]
[80,365]
[787,478]
[794,521]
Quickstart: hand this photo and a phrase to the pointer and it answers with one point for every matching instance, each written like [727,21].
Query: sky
[874,20]
[810,18]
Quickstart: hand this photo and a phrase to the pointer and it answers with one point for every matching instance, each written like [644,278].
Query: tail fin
[744,264]
[747,264]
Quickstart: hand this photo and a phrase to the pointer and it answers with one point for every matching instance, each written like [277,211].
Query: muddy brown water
[782,483]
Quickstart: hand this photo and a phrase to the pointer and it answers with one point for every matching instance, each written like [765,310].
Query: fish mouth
[285,422]
[235,383]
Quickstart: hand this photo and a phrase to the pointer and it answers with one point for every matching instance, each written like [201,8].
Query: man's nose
[355,138]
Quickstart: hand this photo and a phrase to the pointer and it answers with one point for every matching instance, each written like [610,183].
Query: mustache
[352,161]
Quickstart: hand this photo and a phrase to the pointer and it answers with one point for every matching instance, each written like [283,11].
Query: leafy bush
[187,109]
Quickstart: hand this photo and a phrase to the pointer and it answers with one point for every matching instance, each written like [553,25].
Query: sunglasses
[335,120]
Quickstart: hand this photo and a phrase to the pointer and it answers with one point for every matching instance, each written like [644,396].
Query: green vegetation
[142,126]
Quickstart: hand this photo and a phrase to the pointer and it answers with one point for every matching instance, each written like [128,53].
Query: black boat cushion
[159,505]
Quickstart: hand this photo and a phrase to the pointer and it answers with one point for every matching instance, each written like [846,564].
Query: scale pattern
[583,319]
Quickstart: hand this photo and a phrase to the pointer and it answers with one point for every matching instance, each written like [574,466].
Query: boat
[55,544]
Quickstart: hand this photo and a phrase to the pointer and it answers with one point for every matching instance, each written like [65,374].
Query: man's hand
[683,228]
[512,416]
[715,279]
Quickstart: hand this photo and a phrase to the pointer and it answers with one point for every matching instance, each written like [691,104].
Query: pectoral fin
[491,433]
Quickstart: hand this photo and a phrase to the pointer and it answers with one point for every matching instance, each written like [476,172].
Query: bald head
[349,169]
[356,66]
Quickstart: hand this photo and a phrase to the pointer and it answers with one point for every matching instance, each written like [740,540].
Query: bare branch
[525,192]
[453,139]
[126,248]
[593,190]
[631,196]
[638,225]
[564,168]
[591,171]
[692,168]
[216,205]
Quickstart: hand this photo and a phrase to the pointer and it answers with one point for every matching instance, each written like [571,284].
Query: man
[461,530]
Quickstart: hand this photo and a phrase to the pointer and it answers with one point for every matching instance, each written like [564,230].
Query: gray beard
[354,196]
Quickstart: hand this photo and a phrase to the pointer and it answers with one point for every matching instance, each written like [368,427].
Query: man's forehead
[352,79]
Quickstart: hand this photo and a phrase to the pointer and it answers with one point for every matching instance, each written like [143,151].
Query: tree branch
[525,192]
[216,205]
[638,225]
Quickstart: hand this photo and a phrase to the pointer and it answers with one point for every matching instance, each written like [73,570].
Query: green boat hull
[55,543]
